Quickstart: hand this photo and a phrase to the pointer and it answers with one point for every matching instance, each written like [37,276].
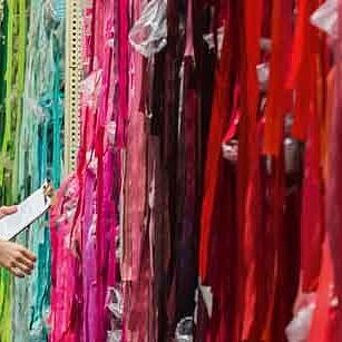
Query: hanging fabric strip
[40,154]
[334,188]
[278,96]
[313,210]
[304,46]
[248,159]
[6,164]
[216,132]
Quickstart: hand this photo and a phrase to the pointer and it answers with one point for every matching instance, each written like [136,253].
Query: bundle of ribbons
[31,137]
[205,206]
[206,202]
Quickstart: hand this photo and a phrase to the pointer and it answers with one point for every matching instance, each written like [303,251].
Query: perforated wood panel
[72,82]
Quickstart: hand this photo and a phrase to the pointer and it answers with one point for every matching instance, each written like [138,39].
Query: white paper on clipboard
[28,211]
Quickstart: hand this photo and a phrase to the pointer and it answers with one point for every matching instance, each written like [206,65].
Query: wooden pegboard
[73,79]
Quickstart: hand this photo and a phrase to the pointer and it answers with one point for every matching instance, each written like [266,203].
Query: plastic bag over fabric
[230,150]
[111,132]
[58,8]
[114,336]
[114,302]
[149,33]
[299,328]
[291,148]
[265,44]
[263,73]
[210,40]
[90,88]
[184,330]
[325,17]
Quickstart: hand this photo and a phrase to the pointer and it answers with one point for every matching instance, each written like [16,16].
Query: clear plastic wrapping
[114,302]
[111,132]
[90,88]
[114,336]
[210,40]
[265,44]
[292,156]
[230,150]
[263,73]
[291,148]
[184,330]
[92,161]
[149,33]
[299,328]
[36,109]
[325,17]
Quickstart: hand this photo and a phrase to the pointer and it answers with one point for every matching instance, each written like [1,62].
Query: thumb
[8,210]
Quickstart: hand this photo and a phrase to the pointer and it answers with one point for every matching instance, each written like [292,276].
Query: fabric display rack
[195,149]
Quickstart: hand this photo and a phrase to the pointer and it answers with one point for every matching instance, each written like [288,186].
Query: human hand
[15,258]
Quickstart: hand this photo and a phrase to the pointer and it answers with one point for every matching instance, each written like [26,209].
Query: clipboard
[28,211]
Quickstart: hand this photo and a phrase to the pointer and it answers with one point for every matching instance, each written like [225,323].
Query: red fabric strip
[249,160]
[312,215]
[277,101]
[322,322]
[217,127]
[305,45]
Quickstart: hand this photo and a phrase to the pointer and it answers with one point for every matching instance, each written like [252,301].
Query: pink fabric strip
[105,10]
[123,71]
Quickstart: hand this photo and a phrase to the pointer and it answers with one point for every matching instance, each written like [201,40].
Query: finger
[27,254]
[23,268]
[25,261]
[8,210]
[16,272]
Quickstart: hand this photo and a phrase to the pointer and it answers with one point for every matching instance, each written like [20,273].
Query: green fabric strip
[6,168]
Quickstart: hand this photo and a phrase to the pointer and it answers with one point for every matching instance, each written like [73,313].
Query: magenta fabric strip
[88,257]
[65,266]
[123,70]
[90,234]
[105,216]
